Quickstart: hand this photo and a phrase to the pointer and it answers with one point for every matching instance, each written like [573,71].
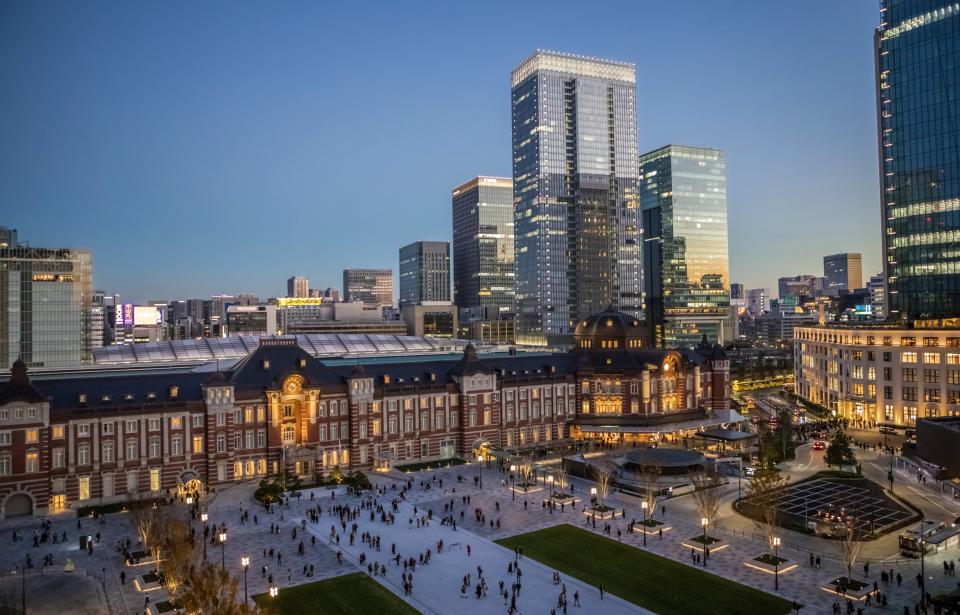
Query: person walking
[601,591]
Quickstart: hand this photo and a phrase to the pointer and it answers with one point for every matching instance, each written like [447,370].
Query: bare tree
[179,555]
[846,543]
[706,494]
[761,496]
[561,477]
[212,591]
[144,520]
[604,473]
[650,479]
[525,469]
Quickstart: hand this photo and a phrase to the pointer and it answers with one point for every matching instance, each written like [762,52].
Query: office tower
[315,293]
[683,195]
[8,237]
[797,286]
[736,291]
[918,117]
[298,287]
[878,299]
[333,294]
[483,248]
[758,301]
[373,286]
[424,272]
[842,272]
[45,304]
[577,221]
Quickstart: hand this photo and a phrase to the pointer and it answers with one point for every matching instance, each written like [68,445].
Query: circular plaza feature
[670,461]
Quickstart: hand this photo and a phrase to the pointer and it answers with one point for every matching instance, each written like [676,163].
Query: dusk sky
[203,148]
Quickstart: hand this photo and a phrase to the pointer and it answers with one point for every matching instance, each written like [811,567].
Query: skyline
[226,139]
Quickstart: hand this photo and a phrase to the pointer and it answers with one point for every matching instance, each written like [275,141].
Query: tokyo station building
[110,435]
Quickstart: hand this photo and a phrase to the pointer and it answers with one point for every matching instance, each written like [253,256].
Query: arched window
[288,434]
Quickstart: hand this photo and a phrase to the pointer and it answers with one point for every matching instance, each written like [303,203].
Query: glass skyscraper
[683,195]
[918,107]
[576,214]
[424,272]
[45,305]
[483,248]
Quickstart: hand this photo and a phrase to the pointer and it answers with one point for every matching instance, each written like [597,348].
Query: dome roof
[611,325]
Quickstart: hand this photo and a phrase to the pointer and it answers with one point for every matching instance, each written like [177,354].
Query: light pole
[704,521]
[776,563]
[593,495]
[223,556]
[513,485]
[480,468]
[274,590]
[245,562]
[644,506]
[204,517]
[550,482]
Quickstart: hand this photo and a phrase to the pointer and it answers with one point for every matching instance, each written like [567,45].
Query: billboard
[127,314]
[146,315]
[118,315]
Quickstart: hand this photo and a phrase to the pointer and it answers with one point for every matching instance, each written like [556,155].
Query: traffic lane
[873,437]
[930,502]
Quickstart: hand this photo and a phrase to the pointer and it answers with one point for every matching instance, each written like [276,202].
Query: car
[888,430]
[819,445]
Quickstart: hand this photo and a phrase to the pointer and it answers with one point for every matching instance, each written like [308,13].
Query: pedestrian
[601,591]
[123,577]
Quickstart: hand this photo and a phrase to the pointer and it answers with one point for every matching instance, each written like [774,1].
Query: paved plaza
[436,586]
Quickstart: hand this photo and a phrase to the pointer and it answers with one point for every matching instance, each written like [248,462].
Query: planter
[766,562]
[165,607]
[600,512]
[855,590]
[140,558]
[148,582]
[562,498]
[651,527]
[713,543]
[527,488]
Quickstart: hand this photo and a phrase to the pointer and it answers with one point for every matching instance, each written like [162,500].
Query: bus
[936,537]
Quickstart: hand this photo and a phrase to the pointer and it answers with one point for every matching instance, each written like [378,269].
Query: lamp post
[480,468]
[223,556]
[513,485]
[245,562]
[550,482]
[593,495]
[704,521]
[204,517]
[644,506]
[776,562]
[274,590]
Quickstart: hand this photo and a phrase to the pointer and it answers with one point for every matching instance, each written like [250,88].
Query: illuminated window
[84,488]
[32,462]
[154,479]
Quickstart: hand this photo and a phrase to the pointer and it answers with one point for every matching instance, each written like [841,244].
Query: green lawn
[651,581]
[352,594]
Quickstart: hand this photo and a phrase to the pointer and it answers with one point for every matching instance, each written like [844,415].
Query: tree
[761,492]
[561,478]
[212,591]
[784,432]
[705,492]
[839,451]
[846,543]
[525,469]
[179,555]
[604,474]
[650,477]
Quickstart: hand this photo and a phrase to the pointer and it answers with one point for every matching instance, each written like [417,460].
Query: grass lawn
[651,581]
[351,594]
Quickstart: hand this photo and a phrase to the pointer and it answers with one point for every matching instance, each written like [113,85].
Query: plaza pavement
[436,586]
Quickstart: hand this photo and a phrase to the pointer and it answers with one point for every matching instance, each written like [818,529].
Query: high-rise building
[333,294]
[736,291]
[424,272]
[758,301]
[917,45]
[798,286]
[878,299]
[842,272]
[576,215]
[483,247]
[372,286]
[683,194]
[298,287]
[45,304]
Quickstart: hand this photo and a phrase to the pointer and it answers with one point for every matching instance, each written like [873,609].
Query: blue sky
[200,148]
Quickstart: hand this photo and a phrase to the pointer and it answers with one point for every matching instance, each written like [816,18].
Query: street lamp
[704,521]
[776,562]
[274,590]
[189,500]
[550,482]
[480,468]
[223,556]
[204,517]
[245,562]
[513,485]
[644,506]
